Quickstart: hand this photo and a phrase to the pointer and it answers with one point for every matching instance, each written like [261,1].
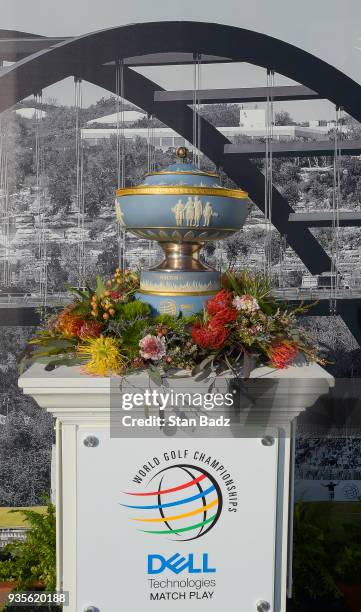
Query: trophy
[182,208]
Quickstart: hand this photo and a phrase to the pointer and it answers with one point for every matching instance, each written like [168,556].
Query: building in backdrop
[252,123]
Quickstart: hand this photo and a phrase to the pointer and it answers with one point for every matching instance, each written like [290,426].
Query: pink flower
[254,330]
[246,303]
[152,347]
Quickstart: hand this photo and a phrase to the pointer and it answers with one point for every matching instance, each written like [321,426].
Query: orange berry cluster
[104,303]
[116,278]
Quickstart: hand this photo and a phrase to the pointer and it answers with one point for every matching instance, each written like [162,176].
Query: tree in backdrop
[351,182]
[287,178]
[294,278]
[17,145]
[208,251]
[27,434]
[104,106]
[59,157]
[353,127]
[285,171]
[336,344]
[57,274]
[237,248]
[284,118]
[108,260]
[221,115]
[12,341]
[25,458]
[317,190]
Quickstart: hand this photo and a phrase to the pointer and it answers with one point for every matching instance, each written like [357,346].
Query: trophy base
[181,283]
[186,303]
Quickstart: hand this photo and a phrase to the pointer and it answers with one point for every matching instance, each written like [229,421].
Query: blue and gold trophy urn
[180,207]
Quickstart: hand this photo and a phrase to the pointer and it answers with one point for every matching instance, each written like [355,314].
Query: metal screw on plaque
[91,609]
[91,442]
[268,441]
[263,606]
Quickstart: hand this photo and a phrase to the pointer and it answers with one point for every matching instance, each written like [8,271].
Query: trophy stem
[181,256]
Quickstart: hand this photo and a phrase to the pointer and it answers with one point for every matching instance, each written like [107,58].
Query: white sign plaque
[182,524]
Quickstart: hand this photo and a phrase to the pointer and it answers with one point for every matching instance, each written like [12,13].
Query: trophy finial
[182,153]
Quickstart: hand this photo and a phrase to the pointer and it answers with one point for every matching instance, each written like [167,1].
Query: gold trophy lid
[183,166]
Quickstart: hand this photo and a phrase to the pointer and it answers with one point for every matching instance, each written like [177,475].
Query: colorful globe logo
[185,502]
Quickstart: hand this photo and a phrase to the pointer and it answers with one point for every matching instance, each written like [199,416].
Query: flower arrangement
[107,331]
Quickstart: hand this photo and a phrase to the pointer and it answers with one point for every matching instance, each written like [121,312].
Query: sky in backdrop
[329,29]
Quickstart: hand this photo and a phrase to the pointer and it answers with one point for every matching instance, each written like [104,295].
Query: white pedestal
[110,561]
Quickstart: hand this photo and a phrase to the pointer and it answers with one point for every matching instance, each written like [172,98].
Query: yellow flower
[103,357]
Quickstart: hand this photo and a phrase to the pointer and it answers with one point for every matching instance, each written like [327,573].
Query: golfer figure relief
[178,211]
[192,211]
[197,210]
[208,214]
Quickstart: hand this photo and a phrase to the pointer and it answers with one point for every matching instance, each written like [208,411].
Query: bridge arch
[70,57]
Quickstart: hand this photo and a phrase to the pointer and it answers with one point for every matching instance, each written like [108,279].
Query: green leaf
[266,307]
[35,558]
[57,342]
[67,361]
[200,366]
[134,310]
[23,363]
[205,373]
[83,294]
[51,351]
[132,334]
[165,319]
[234,284]
[82,309]
[100,286]
[155,375]
[25,353]
[45,359]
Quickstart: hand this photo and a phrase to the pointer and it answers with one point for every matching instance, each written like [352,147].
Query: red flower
[68,324]
[223,316]
[90,329]
[222,299]
[115,295]
[208,336]
[282,353]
